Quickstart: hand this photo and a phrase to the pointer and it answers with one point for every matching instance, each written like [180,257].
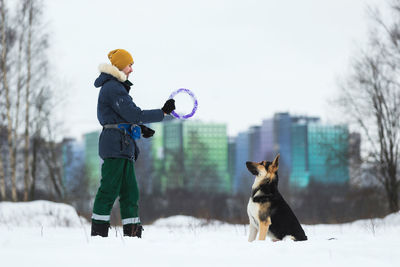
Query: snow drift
[38,213]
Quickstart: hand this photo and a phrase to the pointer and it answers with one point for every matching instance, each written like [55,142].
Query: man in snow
[122,123]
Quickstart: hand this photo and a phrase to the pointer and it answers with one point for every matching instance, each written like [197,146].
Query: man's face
[127,70]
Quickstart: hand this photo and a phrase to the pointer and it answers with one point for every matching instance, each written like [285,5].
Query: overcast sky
[244,60]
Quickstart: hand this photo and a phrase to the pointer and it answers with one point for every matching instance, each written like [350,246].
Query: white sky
[244,60]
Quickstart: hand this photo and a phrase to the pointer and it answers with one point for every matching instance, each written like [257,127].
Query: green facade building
[206,146]
[157,156]
[92,160]
[194,156]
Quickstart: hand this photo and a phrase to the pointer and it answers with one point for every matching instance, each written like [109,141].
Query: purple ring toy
[176,115]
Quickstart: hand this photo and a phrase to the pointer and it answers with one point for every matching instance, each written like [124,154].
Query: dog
[268,212]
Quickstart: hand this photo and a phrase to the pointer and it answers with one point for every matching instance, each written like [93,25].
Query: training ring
[176,115]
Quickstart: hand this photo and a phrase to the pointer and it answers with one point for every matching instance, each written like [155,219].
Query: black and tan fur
[269,214]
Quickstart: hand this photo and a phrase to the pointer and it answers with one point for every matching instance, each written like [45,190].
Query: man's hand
[169,106]
[146,131]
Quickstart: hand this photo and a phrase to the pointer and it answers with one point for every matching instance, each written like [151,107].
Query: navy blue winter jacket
[115,106]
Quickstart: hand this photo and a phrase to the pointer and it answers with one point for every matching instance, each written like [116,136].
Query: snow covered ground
[45,234]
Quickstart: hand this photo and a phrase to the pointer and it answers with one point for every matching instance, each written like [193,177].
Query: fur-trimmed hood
[113,71]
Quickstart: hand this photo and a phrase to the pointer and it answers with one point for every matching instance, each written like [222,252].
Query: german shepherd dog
[268,211]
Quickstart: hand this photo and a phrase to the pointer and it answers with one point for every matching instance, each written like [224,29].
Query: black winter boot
[100,229]
[133,230]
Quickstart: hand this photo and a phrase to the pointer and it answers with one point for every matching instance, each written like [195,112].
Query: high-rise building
[92,160]
[319,154]
[159,183]
[173,155]
[267,147]
[73,154]
[328,147]
[231,159]
[300,175]
[207,142]
[255,143]
[201,149]
[283,145]
[242,178]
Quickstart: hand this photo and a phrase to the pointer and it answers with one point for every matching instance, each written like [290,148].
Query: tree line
[28,150]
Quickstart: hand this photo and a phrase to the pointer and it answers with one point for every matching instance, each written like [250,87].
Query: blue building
[309,151]
[267,147]
[255,150]
[328,147]
[300,175]
[73,154]
[320,154]
[242,179]
[282,143]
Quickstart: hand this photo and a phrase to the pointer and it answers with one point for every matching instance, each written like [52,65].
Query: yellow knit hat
[120,58]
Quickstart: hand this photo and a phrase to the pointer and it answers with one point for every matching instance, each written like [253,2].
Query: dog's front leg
[264,226]
[252,232]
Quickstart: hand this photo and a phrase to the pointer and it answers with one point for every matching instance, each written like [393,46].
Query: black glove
[169,106]
[146,131]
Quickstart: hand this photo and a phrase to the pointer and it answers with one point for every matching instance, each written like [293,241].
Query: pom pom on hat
[120,58]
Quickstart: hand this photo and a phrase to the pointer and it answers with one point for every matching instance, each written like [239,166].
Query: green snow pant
[117,179]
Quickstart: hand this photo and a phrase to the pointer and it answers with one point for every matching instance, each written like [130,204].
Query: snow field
[186,241]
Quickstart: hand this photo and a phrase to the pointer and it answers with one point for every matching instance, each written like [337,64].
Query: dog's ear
[251,166]
[273,167]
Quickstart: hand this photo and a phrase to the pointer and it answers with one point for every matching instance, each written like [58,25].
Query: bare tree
[2,173]
[20,25]
[371,96]
[27,93]
[38,97]
[30,6]
[6,40]
[53,162]
[2,118]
